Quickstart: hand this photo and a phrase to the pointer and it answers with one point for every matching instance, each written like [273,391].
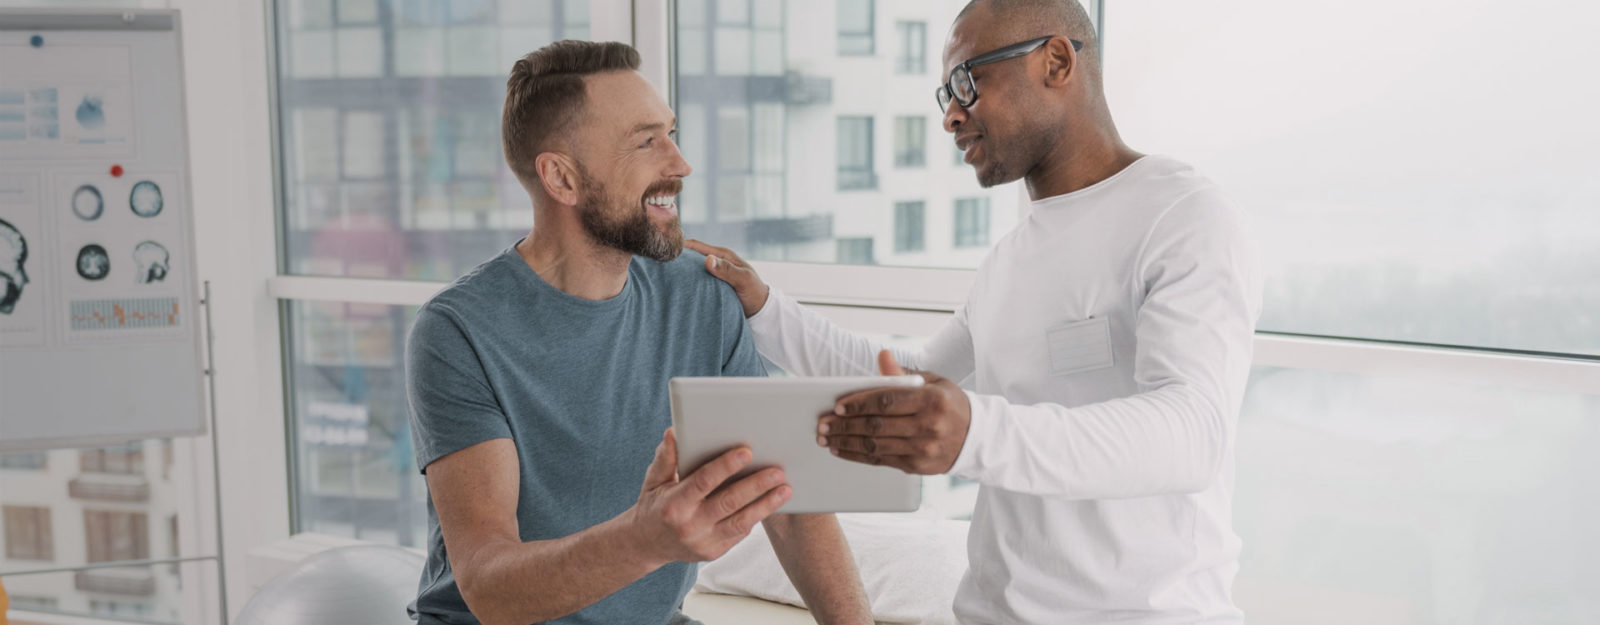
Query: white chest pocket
[1078,346]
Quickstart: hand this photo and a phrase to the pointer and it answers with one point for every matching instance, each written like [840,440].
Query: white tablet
[777,418]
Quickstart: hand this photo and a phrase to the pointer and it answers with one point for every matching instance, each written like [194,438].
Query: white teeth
[664,200]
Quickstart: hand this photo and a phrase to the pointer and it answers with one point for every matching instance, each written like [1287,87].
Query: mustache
[668,186]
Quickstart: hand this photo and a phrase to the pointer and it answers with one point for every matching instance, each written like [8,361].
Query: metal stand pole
[216,462]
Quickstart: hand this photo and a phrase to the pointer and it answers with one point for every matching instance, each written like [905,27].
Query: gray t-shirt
[580,387]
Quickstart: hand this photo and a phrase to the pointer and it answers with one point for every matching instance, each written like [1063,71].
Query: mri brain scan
[87,203]
[145,199]
[13,254]
[91,112]
[93,262]
[153,261]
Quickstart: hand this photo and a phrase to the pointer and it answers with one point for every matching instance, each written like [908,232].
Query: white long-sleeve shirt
[1109,340]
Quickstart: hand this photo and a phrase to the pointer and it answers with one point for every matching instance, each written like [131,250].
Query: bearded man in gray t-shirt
[538,383]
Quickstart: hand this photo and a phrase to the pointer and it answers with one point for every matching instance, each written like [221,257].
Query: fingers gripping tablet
[777,419]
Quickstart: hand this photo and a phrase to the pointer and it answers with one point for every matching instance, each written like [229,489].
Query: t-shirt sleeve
[451,404]
[740,357]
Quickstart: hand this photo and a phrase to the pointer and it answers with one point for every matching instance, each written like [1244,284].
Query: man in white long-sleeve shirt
[1107,340]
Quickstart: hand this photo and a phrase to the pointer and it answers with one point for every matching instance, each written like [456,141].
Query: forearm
[804,342]
[526,582]
[815,555]
[1168,441]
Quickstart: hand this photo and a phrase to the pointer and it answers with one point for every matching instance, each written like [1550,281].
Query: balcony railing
[132,582]
[109,488]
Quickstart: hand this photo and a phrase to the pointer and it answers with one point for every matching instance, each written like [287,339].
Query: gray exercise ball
[358,585]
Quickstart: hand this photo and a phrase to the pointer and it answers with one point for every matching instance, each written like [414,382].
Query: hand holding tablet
[777,418]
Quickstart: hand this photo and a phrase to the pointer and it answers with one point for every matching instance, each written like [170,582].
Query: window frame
[911,51]
[910,141]
[965,232]
[905,240]
[865,176]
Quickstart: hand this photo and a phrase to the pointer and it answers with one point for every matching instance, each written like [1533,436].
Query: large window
[1405,499]
[356,474]
[1392,199]
[1379,172]
[389,118]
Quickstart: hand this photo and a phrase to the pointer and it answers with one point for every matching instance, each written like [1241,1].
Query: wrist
[630,532]
[761,302]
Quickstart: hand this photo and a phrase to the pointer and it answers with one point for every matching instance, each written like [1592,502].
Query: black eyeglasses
[961,88]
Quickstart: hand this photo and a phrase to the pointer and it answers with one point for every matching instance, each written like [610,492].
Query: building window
[25,460]
[34,602]
[913,54]
[119,608]
[972,222]
[854,251]
[28,535]
[754,139]
[855,154]
[855,27]
[908,220]
[114,536]
[123,460]
[910,141]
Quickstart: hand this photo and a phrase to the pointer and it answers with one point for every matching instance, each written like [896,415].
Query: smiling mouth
[665,204]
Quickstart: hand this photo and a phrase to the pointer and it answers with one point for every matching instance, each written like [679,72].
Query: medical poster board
[100,326]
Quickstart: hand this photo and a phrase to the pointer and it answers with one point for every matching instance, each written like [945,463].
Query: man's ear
[1061,62]
[558,174]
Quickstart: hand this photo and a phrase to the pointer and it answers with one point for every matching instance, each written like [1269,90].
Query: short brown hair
[545,95]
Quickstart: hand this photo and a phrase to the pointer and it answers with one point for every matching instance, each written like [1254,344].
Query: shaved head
[1041,116]
[1021,20]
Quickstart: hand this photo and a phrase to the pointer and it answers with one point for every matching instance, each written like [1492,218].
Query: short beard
[631,230]
[1033,145]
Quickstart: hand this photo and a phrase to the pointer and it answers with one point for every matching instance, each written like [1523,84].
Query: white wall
[226,72]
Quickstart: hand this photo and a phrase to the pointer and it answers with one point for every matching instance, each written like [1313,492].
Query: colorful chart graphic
[124,314]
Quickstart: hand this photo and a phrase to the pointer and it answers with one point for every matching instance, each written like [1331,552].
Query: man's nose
[679,167]
[954,116]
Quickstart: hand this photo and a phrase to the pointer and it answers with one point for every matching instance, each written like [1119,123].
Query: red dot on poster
[116,171]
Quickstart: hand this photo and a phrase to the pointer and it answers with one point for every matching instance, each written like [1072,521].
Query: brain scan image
[153,261]
[13,255]
[87,203]
[91,112]
[145,199]
[93,262]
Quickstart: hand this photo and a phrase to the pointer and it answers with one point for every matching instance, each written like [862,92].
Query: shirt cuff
[766,319]
[980,423]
